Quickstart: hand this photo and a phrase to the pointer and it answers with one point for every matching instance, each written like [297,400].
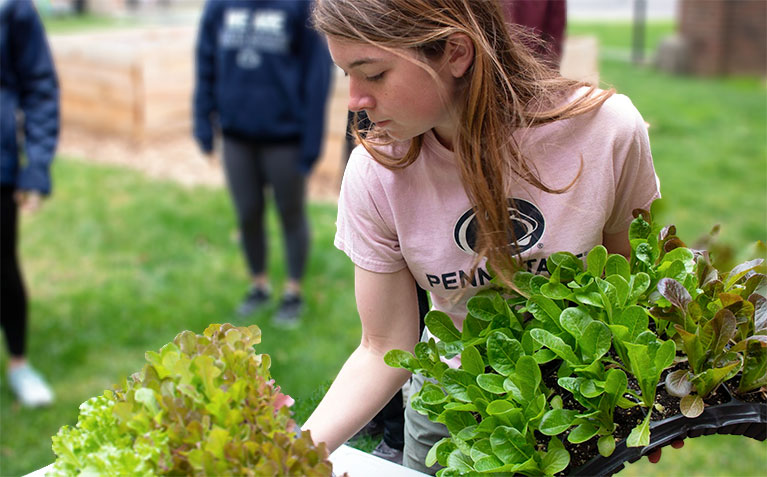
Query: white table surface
[361,464]
[345,459]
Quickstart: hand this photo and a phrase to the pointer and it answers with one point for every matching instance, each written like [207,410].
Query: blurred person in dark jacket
[545,20]
[29,128]
[262,80]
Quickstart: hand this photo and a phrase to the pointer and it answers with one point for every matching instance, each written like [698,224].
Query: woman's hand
[654,456]
[29,201]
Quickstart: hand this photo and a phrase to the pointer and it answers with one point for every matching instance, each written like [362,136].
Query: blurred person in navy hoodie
[29,129]
[262,81]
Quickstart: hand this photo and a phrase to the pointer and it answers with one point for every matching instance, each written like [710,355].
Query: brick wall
[747,37]
[725,36]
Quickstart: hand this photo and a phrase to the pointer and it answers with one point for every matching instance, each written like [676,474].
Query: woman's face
[395,91]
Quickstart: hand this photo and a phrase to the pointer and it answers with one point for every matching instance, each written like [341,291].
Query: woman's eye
[377,77]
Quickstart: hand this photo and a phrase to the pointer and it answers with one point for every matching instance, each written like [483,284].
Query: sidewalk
[619,9]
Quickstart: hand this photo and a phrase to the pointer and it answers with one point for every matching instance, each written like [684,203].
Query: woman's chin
[399,135]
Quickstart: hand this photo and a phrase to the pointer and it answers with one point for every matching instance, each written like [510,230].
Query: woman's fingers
[654,456]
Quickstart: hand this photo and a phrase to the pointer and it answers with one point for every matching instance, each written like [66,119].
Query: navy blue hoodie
[28,84]
[262,74]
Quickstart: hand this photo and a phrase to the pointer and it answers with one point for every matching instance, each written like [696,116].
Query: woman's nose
[359,99]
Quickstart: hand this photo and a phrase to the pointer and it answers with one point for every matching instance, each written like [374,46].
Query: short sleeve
[637,184]
[365,228]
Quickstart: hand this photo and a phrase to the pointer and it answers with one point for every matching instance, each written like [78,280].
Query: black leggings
[251,166]
[13,298]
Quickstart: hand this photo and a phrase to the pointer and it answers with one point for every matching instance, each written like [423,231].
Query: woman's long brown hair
[506,89]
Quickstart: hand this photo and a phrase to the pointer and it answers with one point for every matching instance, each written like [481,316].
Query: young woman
[478,155]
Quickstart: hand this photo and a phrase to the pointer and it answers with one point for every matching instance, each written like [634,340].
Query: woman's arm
[388,309]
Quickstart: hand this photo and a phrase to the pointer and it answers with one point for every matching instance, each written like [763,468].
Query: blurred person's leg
[13,302]
[246,180]
[25,381]
[281,166]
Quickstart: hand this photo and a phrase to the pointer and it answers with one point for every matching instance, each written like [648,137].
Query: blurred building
[718,37]
[111,7]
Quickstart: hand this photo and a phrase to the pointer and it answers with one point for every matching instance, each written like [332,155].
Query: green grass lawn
[70,23]
[708,135]
[616,37]
[118,264]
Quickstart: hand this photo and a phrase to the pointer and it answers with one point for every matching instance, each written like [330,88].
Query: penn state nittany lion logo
[526,221]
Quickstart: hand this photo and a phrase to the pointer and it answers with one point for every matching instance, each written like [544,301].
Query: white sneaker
[30,388]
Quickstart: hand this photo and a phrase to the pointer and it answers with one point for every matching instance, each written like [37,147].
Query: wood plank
[121,96]
[96,116]
[156,115]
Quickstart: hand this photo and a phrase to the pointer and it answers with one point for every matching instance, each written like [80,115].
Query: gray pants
[420,433]
[252,166]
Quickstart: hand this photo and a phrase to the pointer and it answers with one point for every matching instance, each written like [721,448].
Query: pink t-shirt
[420,217]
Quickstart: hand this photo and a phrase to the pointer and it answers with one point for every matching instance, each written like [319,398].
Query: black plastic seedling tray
[734,417]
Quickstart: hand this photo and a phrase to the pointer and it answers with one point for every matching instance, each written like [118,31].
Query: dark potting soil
[719,396]
[669,405]
[758,396]
[549,376]
[633,384]
[568,401]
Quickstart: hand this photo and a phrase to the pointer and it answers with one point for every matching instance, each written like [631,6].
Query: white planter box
[345,459]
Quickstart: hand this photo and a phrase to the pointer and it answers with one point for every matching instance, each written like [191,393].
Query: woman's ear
[459,54]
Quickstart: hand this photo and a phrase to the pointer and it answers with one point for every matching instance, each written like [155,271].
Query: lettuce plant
[600,399]
[583,332]
[721,327]
[202,405]
[603,310]
[494,403]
